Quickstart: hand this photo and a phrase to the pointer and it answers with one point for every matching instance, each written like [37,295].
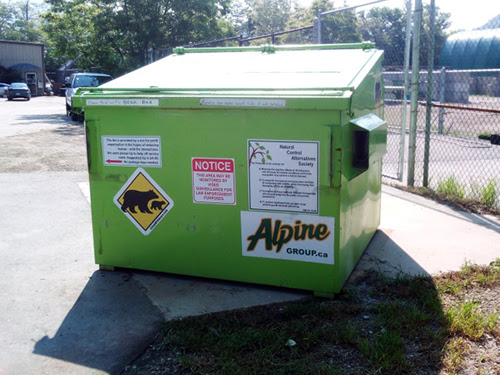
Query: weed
[467,320]
[489,194]
[485,136]
[451,187]
[456,350]
[386,351]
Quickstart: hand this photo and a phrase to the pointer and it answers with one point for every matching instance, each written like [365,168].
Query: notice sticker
[131,151]
[302,238]
[283,175]
[213,181]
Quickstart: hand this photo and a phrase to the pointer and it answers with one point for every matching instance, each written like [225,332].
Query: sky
[465,14]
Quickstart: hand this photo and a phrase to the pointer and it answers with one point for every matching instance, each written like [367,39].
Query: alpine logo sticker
[292,237]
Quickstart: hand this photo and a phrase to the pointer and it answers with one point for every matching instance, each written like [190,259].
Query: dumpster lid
[335,67]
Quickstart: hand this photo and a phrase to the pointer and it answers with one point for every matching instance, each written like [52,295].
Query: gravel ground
[37,136]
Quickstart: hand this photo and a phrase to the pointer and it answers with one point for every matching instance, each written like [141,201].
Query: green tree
[442,24]
[270,15]
[386,27]
[340,27]
[119,36]
[21,21]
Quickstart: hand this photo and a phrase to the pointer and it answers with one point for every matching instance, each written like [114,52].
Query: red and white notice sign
[213,181]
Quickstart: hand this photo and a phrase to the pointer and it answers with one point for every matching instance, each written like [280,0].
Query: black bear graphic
[138,198]
[157,205]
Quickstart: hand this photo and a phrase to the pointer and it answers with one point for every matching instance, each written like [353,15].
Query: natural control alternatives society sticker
[143,201]
[294,237]
[283,175]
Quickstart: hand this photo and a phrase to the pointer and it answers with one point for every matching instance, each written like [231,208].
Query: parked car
[18,90]
[4,87]
[77,80]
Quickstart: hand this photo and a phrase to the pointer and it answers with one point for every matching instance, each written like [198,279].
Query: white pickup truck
[77,80]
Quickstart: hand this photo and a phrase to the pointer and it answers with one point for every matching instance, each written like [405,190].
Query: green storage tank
[255,164]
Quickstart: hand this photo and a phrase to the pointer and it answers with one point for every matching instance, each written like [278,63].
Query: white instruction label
[303,238]
[272,103]
[283,175]
[213,181]
[124,102]
[131,151]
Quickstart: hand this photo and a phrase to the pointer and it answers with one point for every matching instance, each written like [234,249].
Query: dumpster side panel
[361,191]
[204,239]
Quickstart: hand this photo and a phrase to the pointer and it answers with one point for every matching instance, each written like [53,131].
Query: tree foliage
[340,27]
[21,21]
[386,27]
[442,23]
[119,36]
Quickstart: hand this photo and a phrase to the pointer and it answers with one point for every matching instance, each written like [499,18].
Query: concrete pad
[180,296]
[420,236]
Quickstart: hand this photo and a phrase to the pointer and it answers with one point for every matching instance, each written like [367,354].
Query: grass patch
[380,325]
[451,188]
[489,194]
[470,276]
[455,353]
[481,200]
[466,320]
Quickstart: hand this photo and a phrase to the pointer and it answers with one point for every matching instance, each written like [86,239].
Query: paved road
[24,117]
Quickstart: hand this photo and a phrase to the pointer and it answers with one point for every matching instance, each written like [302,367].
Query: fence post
[319,27]
[404,117]
[442,86]
[428,97]
[315,37]
[417,18]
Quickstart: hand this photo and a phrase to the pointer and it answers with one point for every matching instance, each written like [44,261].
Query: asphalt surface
[60,314]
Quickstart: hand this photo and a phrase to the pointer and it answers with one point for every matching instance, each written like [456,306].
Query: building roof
[477,49]
[18,42]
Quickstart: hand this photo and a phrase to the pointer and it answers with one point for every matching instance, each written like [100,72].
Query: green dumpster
[254,164]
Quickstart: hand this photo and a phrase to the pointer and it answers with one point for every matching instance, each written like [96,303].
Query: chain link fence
[457,149]
[464,157]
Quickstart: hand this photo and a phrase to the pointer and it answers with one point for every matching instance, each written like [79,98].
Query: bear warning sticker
[143,201]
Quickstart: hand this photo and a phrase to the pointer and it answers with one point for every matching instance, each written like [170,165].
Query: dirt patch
[57,150]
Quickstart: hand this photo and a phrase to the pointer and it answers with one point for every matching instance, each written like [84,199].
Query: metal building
[26,59]
[477,49]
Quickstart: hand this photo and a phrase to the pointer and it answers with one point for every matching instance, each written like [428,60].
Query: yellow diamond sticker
[143,201]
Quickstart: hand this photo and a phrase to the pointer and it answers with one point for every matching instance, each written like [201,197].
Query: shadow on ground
[53,118]
[110,324]
[113,321]
[386,257]
[377,324]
